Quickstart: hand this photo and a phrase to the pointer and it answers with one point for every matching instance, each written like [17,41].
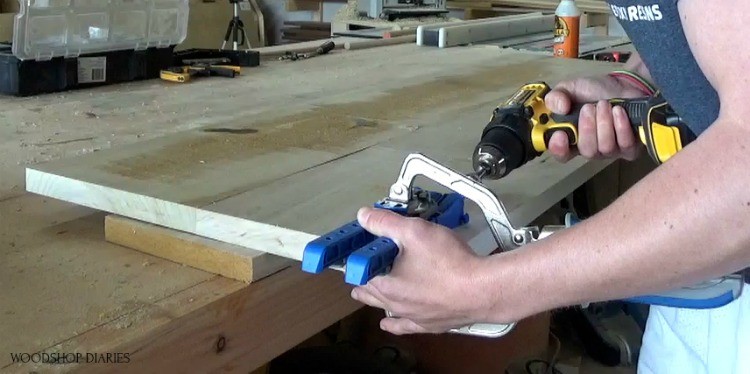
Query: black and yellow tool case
[63,45]
[33,77]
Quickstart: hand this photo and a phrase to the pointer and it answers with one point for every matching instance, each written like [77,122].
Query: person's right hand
[603,130]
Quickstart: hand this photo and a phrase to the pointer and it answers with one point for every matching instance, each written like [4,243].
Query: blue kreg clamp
[367,255]
[713,294]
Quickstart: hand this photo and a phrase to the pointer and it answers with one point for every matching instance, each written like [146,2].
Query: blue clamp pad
[334,247]
[367,262]
[377,257]
[707,297]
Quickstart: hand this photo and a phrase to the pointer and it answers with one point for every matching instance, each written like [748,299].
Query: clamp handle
[377,256]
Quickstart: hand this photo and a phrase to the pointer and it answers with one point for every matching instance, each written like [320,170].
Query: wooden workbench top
[66,290]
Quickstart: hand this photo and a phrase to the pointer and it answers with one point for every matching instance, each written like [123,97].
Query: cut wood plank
[272,52]
[248,234]
[452,36]
[588,6]
[426,38]
[396,33]
[201,253]
[380,42]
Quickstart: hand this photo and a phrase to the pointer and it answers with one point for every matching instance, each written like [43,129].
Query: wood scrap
[587,6]
[364,44]
[209,255]
[487,29]
[275,51]
[454,36]
[423,30]
[396,33]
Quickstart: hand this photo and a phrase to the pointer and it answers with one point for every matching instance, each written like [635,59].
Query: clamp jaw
[506,236]
[362,256]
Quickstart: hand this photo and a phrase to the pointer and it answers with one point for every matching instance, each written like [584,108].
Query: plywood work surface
[293,148]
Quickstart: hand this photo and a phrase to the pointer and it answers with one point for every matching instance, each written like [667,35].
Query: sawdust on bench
[333,128]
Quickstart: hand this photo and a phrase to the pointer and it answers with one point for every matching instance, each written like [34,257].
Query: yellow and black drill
[521,127]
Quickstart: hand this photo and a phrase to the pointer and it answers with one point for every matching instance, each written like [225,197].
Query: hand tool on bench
[520,129]
[321,50]
[183,74]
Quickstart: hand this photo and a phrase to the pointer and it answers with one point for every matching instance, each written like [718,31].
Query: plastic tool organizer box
[60,45]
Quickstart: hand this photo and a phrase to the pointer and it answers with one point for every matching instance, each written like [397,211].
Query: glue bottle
[567,29]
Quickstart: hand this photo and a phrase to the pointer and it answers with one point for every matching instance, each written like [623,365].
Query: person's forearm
[688,221]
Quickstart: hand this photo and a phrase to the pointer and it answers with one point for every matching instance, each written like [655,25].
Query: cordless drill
[521,127]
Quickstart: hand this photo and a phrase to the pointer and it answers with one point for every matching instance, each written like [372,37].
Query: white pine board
[475,33]
[234,230]
[422,29]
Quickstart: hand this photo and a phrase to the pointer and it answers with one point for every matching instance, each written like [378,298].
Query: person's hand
[604,131]
[432,285]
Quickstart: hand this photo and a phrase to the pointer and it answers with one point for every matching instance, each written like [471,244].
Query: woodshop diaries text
[60,358]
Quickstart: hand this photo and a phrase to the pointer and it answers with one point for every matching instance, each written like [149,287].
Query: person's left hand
[433,285]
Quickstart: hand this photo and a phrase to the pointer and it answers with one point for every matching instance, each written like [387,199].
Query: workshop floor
[571,360]
[567,350]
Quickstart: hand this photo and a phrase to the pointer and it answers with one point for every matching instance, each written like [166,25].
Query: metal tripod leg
[235,30]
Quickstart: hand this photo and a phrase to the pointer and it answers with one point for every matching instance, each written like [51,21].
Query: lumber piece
[396,33]
[452,36]
[247,234]
[586,6]
[425,36]
[421,29]
[198,252]
[301,47]
[364,44]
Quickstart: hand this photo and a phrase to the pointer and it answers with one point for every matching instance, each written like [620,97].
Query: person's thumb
[382,222]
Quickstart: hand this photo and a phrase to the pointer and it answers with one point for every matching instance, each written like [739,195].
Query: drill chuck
[488,162]
[502,147]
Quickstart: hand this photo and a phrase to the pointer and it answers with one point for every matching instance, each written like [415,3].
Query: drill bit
[479,174]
